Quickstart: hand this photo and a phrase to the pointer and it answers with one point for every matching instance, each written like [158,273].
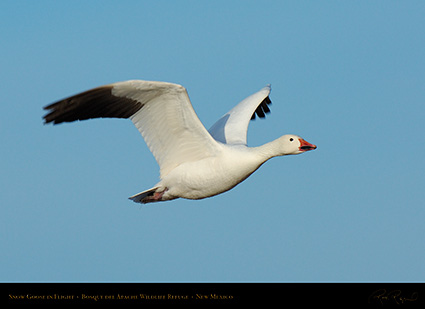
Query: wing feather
[232,128]
[161,111]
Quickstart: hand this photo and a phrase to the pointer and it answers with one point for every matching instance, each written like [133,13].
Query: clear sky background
[348,76]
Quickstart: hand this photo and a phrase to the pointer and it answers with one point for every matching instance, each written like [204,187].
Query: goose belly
[208,177]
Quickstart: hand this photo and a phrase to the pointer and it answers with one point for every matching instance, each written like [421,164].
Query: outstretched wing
[232,128]
[161,111]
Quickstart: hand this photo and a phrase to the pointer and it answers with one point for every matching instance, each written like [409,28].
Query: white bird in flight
[194,163]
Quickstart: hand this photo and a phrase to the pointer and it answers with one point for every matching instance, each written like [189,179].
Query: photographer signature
[383,296]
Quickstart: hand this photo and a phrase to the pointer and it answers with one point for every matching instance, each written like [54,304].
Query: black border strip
[281,294]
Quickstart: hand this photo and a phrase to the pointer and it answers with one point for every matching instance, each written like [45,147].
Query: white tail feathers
[144,197]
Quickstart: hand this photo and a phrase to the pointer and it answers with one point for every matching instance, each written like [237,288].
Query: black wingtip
[95,103]
[262,108]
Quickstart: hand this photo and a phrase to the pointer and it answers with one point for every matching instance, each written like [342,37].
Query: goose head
[292,144]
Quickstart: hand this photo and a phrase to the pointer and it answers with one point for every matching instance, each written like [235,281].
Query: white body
[213,175]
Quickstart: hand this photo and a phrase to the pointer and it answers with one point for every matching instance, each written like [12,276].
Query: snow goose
[194,163]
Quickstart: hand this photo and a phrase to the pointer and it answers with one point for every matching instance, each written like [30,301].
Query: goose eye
[291,139]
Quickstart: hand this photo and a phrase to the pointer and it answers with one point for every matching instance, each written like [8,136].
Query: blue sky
[347,76]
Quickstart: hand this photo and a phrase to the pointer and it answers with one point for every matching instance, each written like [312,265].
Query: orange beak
[306,146]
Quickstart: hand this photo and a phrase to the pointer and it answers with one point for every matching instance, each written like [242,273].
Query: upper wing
[232,128]
[162,112]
